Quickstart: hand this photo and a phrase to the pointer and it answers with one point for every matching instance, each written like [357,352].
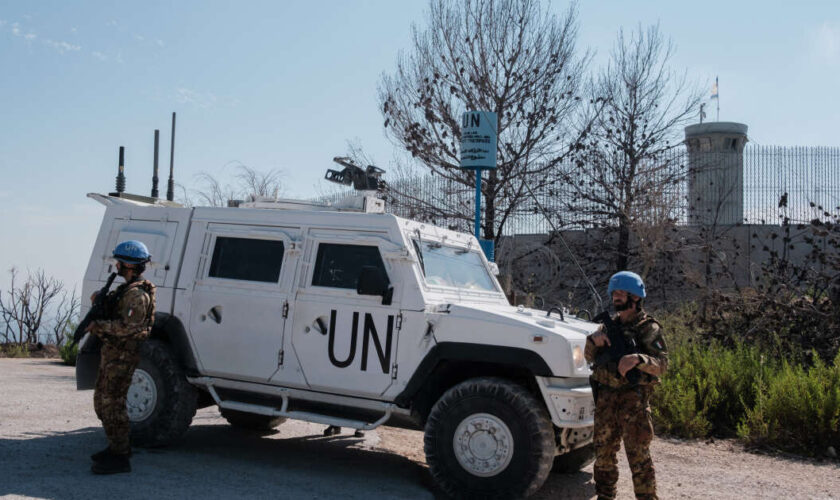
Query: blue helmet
[132,252]
[629,282]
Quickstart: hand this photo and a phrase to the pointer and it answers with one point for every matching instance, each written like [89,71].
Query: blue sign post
[479,130]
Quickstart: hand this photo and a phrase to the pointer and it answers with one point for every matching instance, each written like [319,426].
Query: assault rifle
[96,311]
[611,354]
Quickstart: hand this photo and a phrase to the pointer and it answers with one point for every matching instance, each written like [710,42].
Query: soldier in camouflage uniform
[622,408]
[125,323]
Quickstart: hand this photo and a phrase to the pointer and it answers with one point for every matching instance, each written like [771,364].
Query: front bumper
[569,401]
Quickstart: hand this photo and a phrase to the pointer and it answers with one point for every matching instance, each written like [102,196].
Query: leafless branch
[24,307]
[507,56]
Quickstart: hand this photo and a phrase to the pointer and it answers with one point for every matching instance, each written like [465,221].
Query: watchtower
[716,172]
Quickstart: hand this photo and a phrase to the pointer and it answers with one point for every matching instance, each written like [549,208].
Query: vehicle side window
[247,259]
[339,266]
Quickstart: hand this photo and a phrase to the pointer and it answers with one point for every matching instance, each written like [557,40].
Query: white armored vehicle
[347,316]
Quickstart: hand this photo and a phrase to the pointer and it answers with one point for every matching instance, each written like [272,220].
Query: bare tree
[248,183]
[260,183]
[508,56]
[24,307]
[184,197]
[211,193]
[627,176]
[65,316]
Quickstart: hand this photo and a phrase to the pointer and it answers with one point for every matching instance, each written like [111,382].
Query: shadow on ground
[218,461]
[212,461]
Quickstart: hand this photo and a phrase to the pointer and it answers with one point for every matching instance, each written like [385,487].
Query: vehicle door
[157,235]
[240,299]
[344,341]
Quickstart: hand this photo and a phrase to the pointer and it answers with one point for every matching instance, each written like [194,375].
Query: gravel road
[48,429]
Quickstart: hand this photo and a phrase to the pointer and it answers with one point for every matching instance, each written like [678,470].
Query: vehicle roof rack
[367,203]
[131,199]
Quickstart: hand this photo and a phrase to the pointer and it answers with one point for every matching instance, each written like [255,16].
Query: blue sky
[285,85]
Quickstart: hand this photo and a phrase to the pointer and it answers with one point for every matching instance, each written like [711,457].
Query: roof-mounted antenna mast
[155,173]
[170,188]
[121,172]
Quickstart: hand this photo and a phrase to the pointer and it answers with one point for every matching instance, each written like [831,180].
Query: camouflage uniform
[129,313]
[622,411]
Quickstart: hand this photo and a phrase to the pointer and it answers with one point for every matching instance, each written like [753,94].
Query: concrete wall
[674,263]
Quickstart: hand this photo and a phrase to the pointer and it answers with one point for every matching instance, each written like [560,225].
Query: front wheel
[161,403]
[489,438]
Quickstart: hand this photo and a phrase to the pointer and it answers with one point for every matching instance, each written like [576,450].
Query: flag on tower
[715,89]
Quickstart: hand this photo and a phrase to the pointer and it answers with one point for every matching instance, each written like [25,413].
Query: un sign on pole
[478,151]
[478,139]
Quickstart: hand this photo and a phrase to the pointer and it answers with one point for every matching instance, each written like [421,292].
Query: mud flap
[87,363]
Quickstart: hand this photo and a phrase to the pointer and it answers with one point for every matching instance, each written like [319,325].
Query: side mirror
[373,281]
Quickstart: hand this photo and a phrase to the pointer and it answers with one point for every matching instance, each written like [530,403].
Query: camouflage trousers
[116,368]
[623,414]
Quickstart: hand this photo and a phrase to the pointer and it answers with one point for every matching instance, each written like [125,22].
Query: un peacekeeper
[622,408]
[126,322]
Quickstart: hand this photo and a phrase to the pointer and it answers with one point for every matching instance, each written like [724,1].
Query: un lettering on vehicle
[370,337]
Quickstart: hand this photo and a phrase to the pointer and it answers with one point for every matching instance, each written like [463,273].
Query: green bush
[17,351]
[742,390]
[68,353]
[796,410]
[708,389]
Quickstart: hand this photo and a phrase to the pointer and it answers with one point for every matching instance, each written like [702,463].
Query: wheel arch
[450,363]
[168,328]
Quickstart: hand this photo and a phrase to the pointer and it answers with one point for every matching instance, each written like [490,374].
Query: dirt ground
[48,429]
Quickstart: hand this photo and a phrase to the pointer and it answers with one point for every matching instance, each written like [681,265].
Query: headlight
[577,357]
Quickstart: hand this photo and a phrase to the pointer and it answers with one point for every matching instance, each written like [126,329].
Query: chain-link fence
[810,176]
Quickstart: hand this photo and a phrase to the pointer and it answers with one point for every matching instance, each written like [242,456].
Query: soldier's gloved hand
[627,363]
[600,338]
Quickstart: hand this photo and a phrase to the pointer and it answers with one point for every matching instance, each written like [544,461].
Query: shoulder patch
[648,323]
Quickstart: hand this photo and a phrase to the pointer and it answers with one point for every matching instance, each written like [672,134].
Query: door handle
[216,314]
[320,326]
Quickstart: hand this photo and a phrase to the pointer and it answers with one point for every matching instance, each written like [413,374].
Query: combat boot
[111,463]
[99,455]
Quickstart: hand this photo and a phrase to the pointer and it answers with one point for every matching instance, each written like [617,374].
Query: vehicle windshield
[454,267]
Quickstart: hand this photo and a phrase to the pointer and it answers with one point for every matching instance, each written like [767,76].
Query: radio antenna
[170,188]
[121,172]
[155,173]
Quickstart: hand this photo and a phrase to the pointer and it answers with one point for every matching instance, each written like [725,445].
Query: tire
[574,460]
[519,431]
[252,421]
[161,403]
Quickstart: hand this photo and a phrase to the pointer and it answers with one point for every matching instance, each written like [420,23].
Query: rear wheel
[252,421]
[489,438]
[160,402]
